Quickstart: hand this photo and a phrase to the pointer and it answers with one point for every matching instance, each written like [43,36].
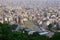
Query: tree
[40,37]
[36,36]
[50,26]
[56,36]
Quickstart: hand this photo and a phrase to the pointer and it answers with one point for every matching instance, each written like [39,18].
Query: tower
[20,20]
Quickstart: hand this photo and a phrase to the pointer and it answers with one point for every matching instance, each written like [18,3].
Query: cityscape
[43,19]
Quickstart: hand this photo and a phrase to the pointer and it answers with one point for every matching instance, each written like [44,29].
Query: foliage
[56,36]
[50,26]
[7,34]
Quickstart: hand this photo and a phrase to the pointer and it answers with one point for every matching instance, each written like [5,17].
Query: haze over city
[31,2]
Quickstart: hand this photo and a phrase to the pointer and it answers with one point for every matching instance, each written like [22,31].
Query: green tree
[36,36]
[56,36]
[50,26]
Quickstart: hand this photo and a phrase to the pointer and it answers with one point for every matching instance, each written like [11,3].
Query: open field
[29,24]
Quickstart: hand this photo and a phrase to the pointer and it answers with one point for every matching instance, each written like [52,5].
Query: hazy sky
[18,2]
